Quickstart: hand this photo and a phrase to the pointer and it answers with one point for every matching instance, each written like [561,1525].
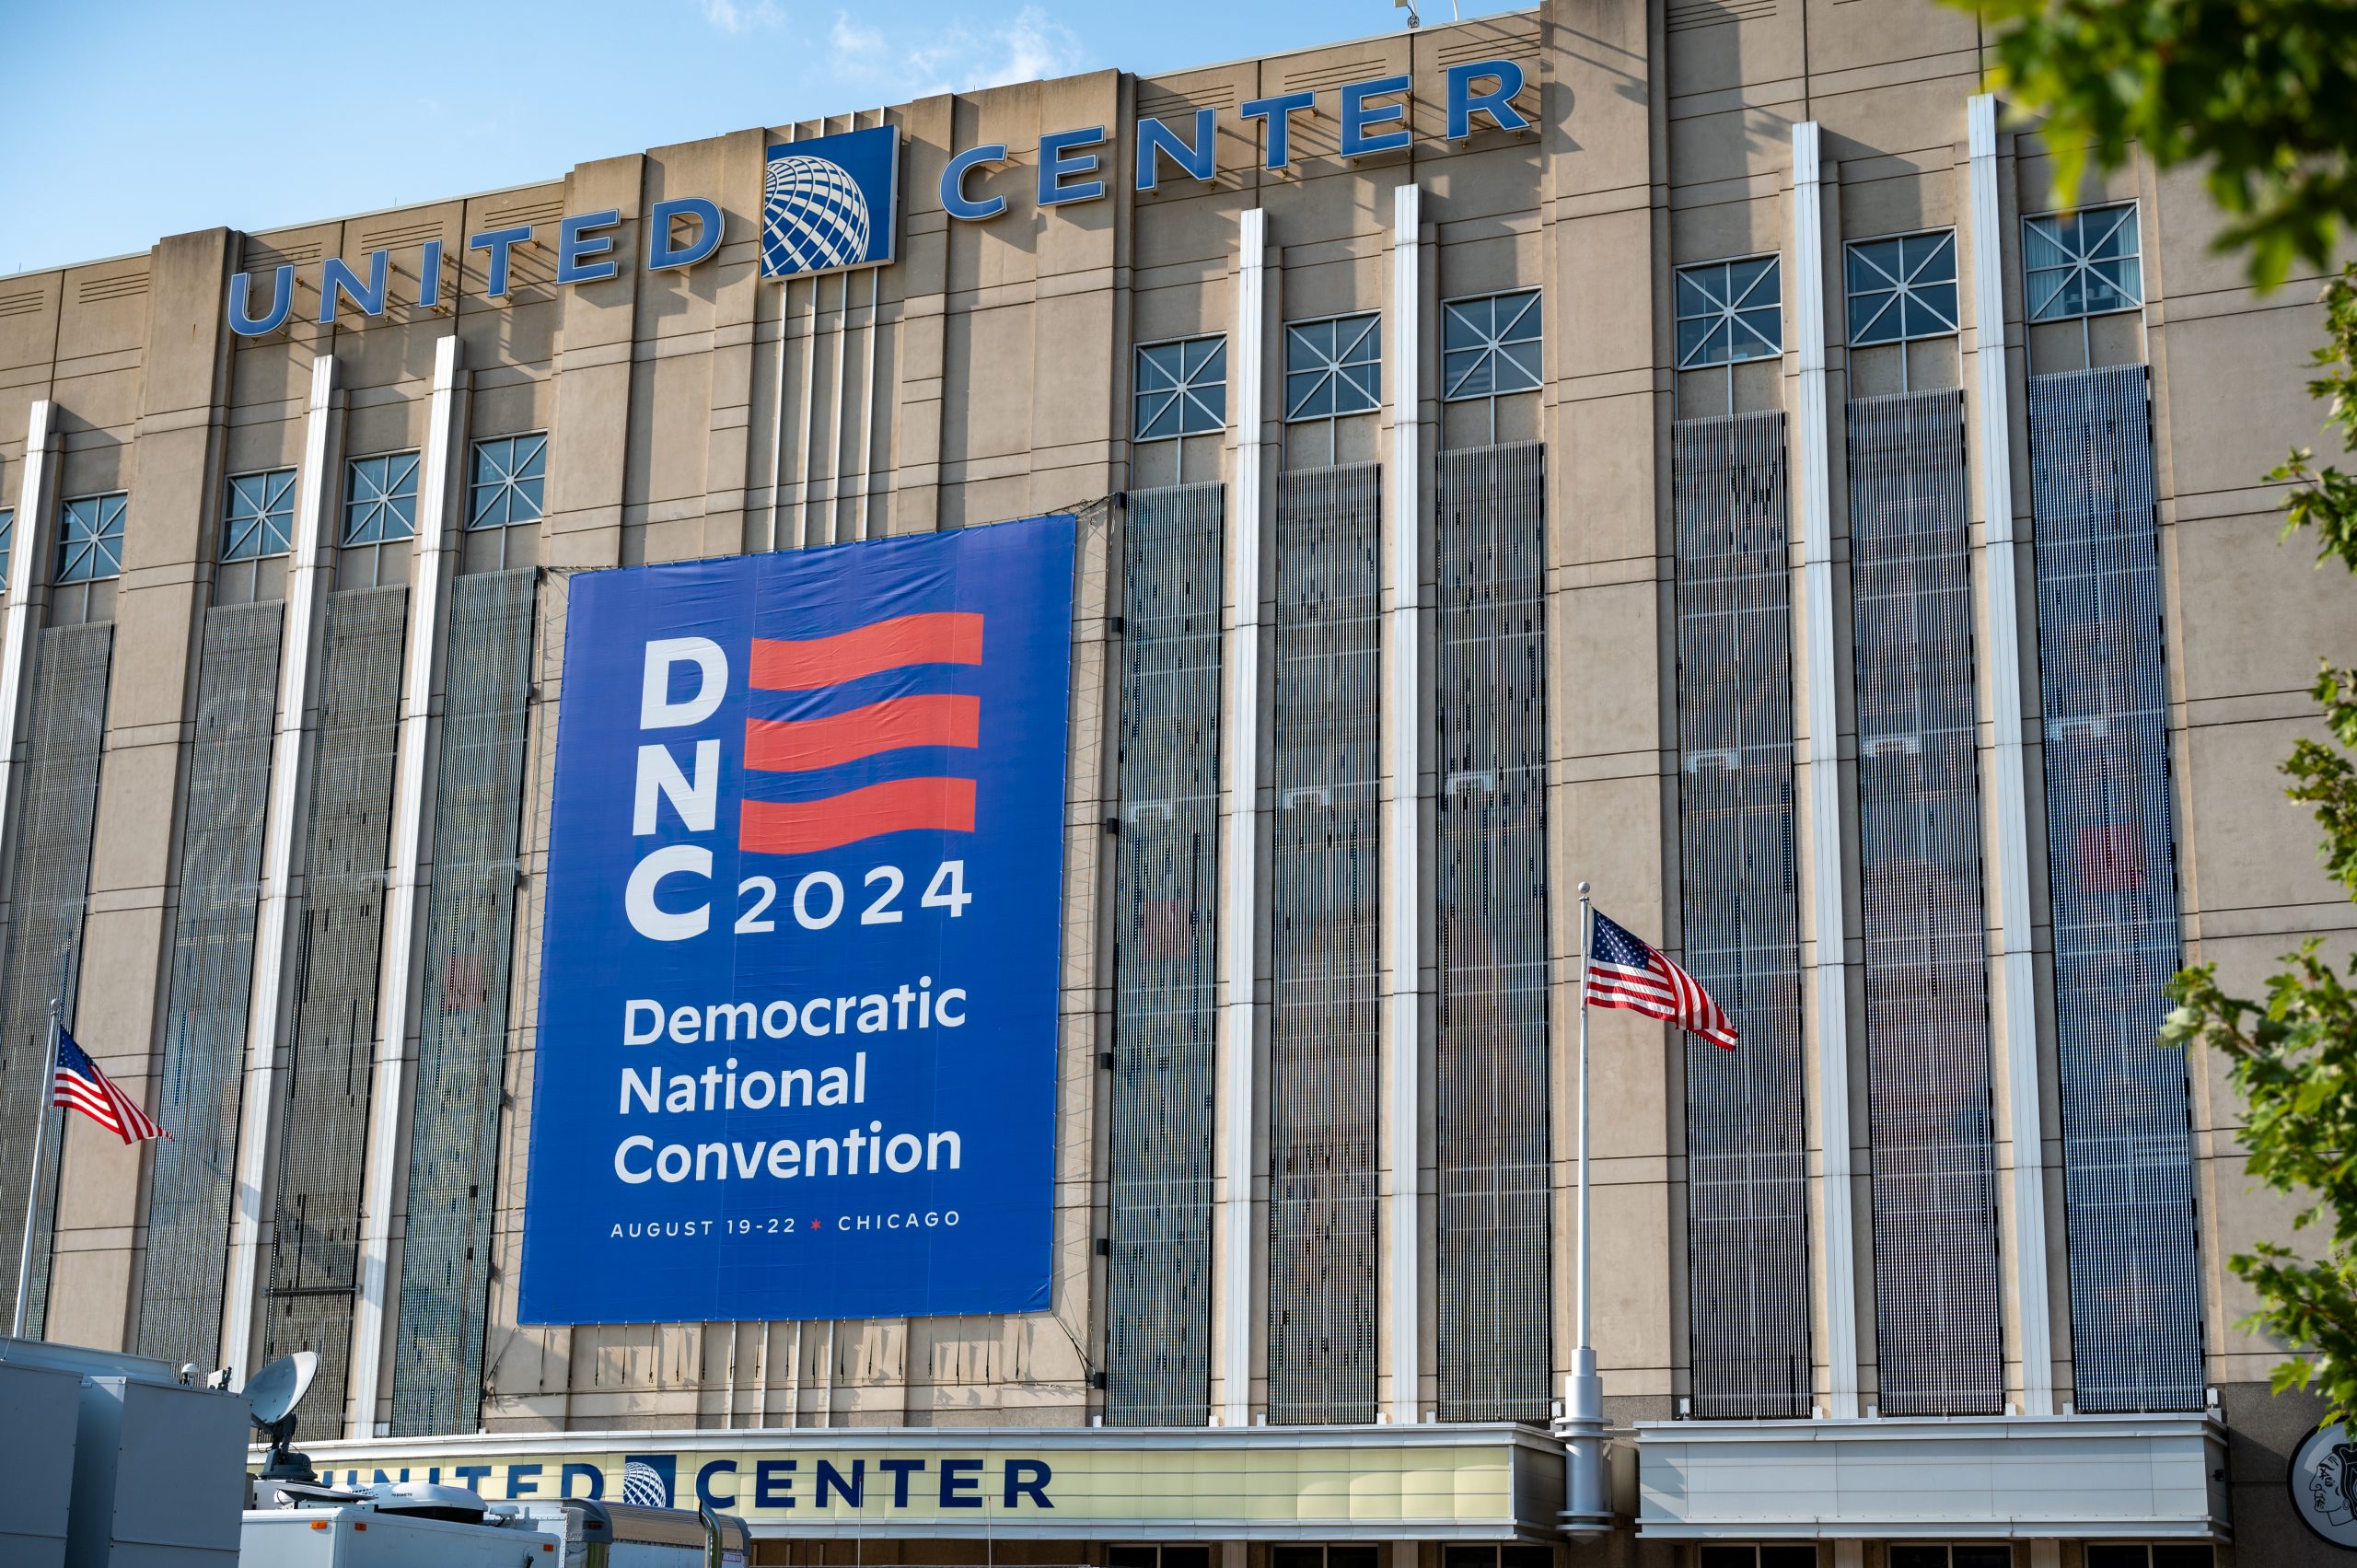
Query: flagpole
[1589,1513]
[47,1092]
[1587,937]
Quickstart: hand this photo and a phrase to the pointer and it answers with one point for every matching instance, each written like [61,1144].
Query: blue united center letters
[798,1029]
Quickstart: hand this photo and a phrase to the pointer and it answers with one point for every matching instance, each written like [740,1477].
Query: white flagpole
[48,1092]
[1587,941]
[1582,1428]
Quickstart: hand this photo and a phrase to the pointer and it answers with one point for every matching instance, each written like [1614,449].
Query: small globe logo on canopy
[813,216]
[643,1486]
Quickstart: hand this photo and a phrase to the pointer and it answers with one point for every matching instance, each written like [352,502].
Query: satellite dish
[424,1500]
[273,1393]
[301,1491]
[277,1389]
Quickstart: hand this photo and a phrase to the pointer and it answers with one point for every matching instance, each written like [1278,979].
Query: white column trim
[298,656]
[808,418]
[1821,775]
[2009,769]
[1239,826]
[865,527]
[396,979]
[1402,725]
[777,413]
[34,526]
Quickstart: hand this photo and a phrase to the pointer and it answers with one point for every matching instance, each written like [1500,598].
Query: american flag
[1623,972]
[81,1087]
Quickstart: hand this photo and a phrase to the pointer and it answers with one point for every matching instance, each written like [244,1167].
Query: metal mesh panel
[2111,867]
[1937,1332]
[1325,968]
[1158,1279]
[469,945]
[1747,1175]
[204,1059]
[1490,1268]
[323,1117]
[49,879]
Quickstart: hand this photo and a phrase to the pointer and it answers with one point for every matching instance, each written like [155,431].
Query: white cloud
[855,48]
[733,18]
[1029,46]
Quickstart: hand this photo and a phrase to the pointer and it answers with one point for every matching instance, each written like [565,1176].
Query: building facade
[1690,450]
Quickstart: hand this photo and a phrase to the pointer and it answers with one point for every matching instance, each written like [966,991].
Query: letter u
[240,291]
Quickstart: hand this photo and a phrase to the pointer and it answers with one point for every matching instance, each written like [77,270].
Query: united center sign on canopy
[1457,1483]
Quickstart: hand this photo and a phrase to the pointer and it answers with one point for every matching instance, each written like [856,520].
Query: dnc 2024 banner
[798,1029]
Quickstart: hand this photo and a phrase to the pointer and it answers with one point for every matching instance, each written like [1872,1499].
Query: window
[89,542]
[7,539]
[1157,1557]
[260,516]
[1181,389]
[1902,287]
[1489,346]
[1729,311]
[1325,1556]
[257,531]
[510,476]
[2082,264]
[380,499]
[2175,1555]
[1975,1554]
[1795,1556]
[1497,1557]
[1334,366]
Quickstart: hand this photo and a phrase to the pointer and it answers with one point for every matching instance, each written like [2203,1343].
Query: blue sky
[127,123]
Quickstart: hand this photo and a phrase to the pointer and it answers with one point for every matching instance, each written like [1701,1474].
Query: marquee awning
[2135,1477]
[1490,1482]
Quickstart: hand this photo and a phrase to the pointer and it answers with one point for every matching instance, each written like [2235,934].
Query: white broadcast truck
[118,1459]
[406,1525]
[294,1522]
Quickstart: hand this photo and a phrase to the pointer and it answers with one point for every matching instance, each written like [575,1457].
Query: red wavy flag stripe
[946,637]
[790,746]
[803,826]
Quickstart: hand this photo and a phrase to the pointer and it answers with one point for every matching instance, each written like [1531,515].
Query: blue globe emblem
[813,216]
[642,1486]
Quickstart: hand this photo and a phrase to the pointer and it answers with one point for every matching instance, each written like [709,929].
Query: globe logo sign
[647,1480]
[827,204]
[815,217]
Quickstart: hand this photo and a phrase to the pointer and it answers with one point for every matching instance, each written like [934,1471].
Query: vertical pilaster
[1819,767]
[1402,843]
[314,500]
[1239,824]
[2009,772]
[396,980]
[36,502]
[732,525]
[920,311]
[174,475]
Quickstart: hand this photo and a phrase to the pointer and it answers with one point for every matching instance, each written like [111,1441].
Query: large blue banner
[798,1031]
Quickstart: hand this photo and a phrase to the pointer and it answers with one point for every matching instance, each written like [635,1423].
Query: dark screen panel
[1938,1342]
[1747,1166]
[203,1061]
[462,1031]
[1493,1222]
[1325,968]
[1159,1179]
[49,880]
[327,1062]
[2112,870]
